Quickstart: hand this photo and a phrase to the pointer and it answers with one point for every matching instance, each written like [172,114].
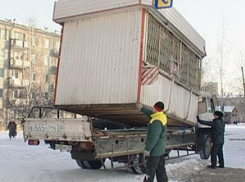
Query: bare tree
[213,66]
[28,99]
[32,21]
[2,125]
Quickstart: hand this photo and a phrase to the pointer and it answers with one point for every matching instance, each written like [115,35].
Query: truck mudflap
[57,129]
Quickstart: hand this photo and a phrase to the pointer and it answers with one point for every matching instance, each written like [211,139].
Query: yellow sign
[163,4]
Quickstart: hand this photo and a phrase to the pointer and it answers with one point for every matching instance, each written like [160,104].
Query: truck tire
[206,149]
[93,164]
[138,159]
[81,164]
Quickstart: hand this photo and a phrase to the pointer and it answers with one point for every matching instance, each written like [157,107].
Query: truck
[115,55]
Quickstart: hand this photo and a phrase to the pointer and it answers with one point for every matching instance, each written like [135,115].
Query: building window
[17,94]
[18,55]
[16,74]
[1,93]
[1,73]
[57,45]
[34,77]
[46,95]
[56,62]
[19,36]
[2,54]
[46,60]
[46,78]
[46,43]
[2,34]
[34,58]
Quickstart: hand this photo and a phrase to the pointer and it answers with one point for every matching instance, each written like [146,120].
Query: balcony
[16,63]
[25,83]
[18,82]
[19,43]
[15,82]
[26,64]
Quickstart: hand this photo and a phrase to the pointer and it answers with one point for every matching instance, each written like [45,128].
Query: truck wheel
[81,164]
[207,145]
[138,159]
[92,164]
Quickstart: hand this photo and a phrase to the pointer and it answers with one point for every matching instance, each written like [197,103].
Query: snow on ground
[22,163]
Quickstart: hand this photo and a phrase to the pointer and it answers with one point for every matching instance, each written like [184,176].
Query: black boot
[211,166]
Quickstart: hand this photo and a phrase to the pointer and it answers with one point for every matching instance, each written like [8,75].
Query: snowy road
[22,163]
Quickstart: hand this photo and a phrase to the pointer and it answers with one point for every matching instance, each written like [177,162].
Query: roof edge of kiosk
[74,9]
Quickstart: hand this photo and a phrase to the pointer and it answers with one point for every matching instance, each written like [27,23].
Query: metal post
[103,163]
[40,112]
[112,166]
[58,113]
[187,150]
[243,82]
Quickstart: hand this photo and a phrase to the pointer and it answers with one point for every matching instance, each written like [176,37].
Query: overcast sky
[212,18]
[208,17]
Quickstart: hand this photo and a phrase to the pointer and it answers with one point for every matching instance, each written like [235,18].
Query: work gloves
[146,153]
[139,105]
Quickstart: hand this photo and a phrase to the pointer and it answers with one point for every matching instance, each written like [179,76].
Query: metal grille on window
[166,51]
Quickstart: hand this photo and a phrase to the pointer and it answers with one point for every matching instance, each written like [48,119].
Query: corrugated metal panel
[69,8]
[175,98]
[100,59]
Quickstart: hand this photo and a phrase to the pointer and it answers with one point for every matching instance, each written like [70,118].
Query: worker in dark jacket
[218,129]
[155,144]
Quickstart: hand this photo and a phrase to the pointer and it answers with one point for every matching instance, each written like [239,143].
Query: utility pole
[221,68]
[243,82]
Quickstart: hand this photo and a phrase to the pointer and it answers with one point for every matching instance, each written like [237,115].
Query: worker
[155,143]
[218,129]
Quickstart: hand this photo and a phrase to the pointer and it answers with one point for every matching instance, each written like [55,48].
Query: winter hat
[219,114]
[159,106]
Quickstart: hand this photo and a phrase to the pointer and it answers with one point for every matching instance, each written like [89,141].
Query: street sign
[159,4]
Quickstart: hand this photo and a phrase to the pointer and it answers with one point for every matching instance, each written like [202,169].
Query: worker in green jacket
[156,144]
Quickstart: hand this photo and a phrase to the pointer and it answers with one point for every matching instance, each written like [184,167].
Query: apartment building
[28,66]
